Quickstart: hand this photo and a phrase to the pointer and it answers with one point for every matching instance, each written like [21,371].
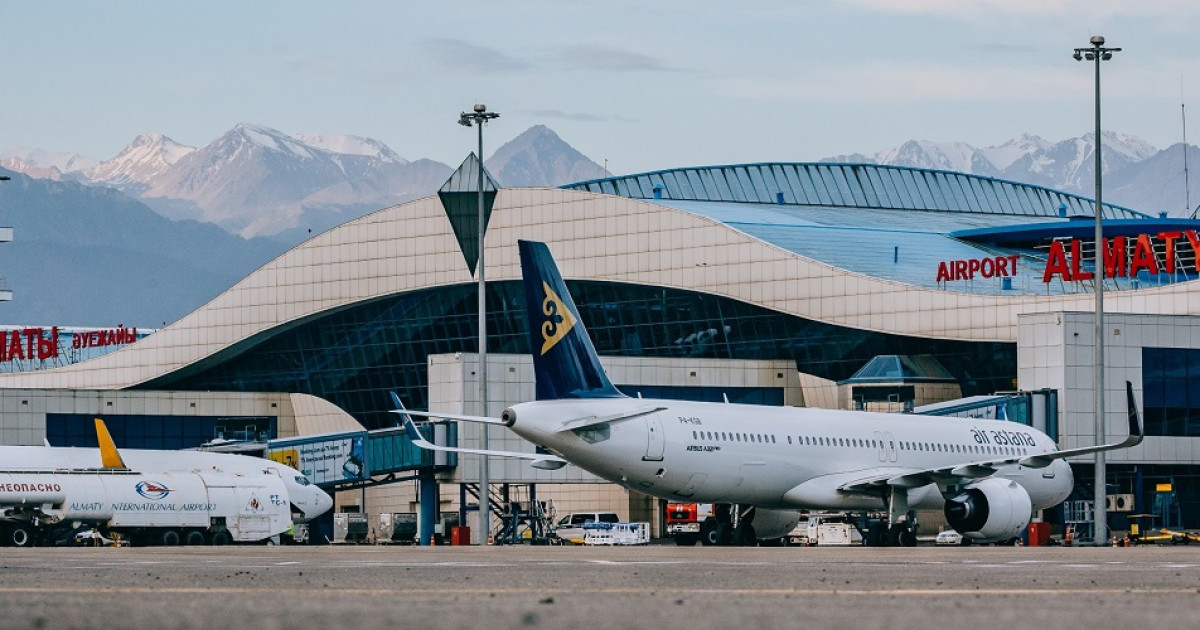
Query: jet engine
[991,510]
[771,524]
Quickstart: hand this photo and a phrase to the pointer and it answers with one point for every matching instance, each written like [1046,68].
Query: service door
[655,440]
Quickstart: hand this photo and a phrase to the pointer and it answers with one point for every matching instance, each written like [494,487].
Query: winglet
[1135,423]
[399,407]
[1134,438]
[109,457]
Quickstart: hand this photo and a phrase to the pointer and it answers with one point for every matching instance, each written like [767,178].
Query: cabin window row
[805,440]
[723,436]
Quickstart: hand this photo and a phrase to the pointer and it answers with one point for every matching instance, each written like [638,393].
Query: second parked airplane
[989,476]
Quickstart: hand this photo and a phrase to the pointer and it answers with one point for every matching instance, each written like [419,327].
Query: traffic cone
[1067,538]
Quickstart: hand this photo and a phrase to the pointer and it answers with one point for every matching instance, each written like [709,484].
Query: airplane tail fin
[565,361]
[109,457]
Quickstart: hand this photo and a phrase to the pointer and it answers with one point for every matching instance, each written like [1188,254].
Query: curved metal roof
[893,222]
[836,185]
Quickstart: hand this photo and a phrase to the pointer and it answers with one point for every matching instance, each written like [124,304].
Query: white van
[570,528]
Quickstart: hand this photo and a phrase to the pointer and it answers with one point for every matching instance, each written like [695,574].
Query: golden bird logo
[559,320]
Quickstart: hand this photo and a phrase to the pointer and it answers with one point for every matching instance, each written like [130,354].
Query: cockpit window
[302,480]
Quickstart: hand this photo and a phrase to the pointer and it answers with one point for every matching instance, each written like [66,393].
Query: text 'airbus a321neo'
[989,476]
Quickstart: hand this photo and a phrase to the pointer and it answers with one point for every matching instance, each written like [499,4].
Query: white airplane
[28,470]
[989,476]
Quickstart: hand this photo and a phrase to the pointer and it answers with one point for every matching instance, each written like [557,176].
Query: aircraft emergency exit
[989,476]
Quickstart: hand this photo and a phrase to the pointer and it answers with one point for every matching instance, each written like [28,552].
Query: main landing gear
[900,528]
[719,529]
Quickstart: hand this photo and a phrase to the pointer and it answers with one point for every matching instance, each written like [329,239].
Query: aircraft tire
[724,534]
[169,538]
[708,532]
[219,538]
[876,535]
[194,538]
[18,535]
[900,535]
[743,536]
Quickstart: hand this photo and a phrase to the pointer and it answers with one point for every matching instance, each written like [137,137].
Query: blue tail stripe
[564,360]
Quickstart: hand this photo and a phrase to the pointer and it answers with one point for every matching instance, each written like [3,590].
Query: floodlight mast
[1098,53]
[479,116]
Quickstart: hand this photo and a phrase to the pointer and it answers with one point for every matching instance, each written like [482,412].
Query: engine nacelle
[770,524]
[992,510]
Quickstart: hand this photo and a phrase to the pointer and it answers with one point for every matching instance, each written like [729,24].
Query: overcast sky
[645,85]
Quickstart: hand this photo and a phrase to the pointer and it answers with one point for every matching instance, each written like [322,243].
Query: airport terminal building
[825,285]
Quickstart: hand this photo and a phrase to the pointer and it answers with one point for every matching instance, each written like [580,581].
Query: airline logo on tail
[559,320]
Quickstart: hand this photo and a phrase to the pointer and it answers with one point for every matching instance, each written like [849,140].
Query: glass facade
[1171,391]
[353,357]
[156,432]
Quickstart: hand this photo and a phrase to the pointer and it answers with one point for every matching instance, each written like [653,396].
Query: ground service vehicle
[165,508]
[570,528]
[684,521]
[163,497]
[827,530]
[949,537]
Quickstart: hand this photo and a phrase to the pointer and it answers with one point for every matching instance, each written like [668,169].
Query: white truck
[163,508]
[826,530]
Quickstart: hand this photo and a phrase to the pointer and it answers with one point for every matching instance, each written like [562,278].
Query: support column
[427,494]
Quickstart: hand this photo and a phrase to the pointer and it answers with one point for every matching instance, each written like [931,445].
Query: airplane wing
[542,461]
[447,416]
[537,460]
[573,424]
[590,421]
[960,473]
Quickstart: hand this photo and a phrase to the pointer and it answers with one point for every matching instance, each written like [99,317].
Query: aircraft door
[881,448]
[891,445]
[655,440]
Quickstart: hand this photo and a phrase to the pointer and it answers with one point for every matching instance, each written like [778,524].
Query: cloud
[455,54]
[607,59]
[562,115]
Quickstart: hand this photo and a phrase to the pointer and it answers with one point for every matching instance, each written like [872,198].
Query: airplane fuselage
[780,457]
[308,500]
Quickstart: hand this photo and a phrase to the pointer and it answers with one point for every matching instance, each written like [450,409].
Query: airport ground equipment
[609,534]
[165,508]
[684,520]
[829,530]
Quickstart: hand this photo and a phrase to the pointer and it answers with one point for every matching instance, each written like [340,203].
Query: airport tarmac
[658,586]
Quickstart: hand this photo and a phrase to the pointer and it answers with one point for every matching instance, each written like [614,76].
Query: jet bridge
[365,458]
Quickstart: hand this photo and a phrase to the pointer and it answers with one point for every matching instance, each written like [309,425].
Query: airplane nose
[323,503]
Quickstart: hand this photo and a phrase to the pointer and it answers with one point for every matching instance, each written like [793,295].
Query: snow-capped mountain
[949,156]
[1004,155]
[1067,165]
[22,159]
[258,181]
[350,145]
[132,170]
[255,180]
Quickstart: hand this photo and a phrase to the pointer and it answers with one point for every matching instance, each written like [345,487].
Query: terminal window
[1171,391]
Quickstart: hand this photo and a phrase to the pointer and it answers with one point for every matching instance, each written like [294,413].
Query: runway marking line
[354,592]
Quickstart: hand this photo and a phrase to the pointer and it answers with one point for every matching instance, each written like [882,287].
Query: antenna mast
[1187,190]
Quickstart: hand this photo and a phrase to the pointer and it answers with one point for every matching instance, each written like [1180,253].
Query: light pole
[479,116]
[1099,53]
